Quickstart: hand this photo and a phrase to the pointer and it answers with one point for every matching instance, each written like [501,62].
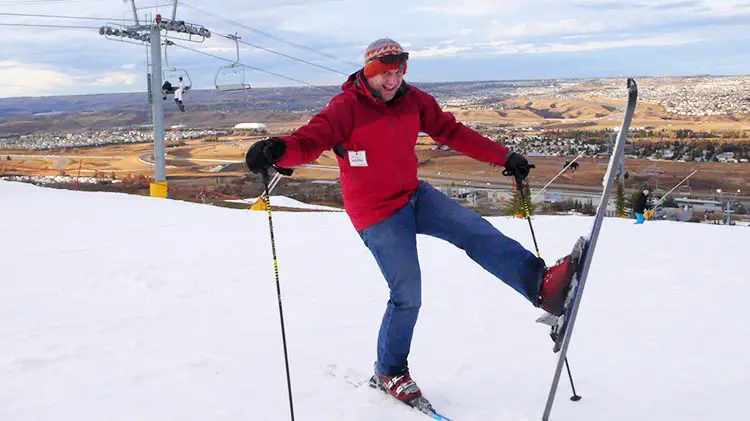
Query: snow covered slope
[117,307]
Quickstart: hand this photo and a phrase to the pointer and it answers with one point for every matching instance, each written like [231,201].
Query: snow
[118,307]
[287,202]
[59,179]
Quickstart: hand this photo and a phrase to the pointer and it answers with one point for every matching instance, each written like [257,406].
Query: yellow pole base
[259,204]
[159,189]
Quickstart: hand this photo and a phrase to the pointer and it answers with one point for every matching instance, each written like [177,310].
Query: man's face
[386,83]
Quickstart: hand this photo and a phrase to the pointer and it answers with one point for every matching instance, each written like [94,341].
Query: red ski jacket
[354,121]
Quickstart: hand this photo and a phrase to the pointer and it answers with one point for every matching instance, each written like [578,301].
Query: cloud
[116,79]
[653,41]
[471,7]
[687,4]
[23,79]
[434,51]
[606,5]
[57,60]
[546,28]
[30,79]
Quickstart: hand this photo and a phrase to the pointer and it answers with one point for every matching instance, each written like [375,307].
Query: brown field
[437,165]
[589,112]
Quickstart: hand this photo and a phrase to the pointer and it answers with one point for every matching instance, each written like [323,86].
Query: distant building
[253,128]
[725,157]
[177,132]
[699,205]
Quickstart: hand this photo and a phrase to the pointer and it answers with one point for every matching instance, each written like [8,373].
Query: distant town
[694,96]
[554,143]
[51,123]
[94,138]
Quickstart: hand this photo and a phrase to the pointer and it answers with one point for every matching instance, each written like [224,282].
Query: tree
[515,206]
[588,208]
[620,200]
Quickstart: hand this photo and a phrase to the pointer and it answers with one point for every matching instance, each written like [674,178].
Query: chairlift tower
[149,33]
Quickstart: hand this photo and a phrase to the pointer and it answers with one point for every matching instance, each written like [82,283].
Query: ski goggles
[394,58]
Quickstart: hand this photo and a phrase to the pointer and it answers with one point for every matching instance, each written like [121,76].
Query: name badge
[357,159]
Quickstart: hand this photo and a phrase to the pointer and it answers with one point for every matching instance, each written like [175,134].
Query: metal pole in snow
[659,202]
[555,178]
[157,104]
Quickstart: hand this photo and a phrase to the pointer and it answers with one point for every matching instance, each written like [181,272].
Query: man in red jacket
[372,127]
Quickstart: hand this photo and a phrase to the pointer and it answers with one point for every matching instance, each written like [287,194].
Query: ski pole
[266,182]
[558,175]
[519,183]
[575,397]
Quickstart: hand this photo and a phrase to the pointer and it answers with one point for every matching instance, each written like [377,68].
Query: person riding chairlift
[167,88]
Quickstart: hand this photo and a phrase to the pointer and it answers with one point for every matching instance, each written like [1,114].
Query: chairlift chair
[232,77]
[172,74]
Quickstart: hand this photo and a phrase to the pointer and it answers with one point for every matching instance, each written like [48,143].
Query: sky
[123,307]
[449,40]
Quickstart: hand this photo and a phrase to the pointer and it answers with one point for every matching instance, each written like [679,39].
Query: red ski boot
[556,283]
[401,386]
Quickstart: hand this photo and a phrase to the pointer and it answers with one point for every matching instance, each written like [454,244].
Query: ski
[420,404]
[562,329]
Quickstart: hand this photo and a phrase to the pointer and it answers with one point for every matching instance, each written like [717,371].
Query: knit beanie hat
[381,48]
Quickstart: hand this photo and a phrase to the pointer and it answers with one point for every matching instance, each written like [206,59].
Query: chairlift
[232,77]
[172,74]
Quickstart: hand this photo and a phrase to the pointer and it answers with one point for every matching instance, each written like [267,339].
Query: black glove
[517,166]
[263,154]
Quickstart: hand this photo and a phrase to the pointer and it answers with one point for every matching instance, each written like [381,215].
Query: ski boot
[561,292]
[557,289]
[401,386]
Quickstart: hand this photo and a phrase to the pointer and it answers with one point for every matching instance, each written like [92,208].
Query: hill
[121,307]
[563,103]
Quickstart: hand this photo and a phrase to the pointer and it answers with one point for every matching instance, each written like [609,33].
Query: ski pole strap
[283,171]
[266,180]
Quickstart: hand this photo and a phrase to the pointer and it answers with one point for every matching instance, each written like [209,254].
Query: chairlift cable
[30,25]
[17,3]
[283,55]
[266,34]
[63,17]
[251,67]
[156,6]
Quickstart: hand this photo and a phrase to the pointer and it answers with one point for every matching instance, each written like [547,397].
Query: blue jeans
[393,243]
[639,219]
